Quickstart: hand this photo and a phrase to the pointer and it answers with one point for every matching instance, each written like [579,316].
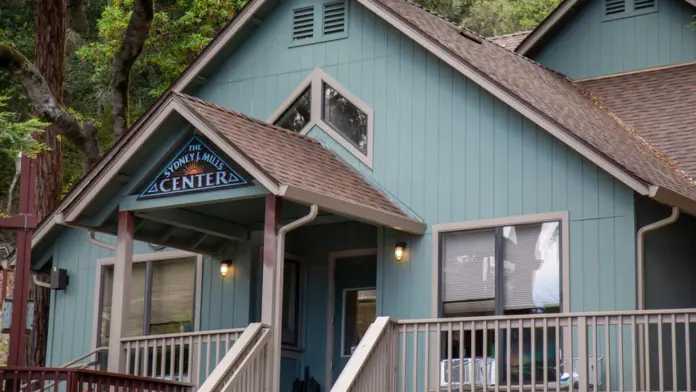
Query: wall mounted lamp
[225,268]
[399,251]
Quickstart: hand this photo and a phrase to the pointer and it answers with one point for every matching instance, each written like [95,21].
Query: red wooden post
[273,216]
[23,264]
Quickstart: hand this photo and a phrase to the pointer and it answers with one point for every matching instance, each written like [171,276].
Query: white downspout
[640,252]
[277,328]
[93,240]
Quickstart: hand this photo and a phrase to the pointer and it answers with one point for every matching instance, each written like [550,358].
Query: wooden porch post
[270,238]
[272,222]
[123,266]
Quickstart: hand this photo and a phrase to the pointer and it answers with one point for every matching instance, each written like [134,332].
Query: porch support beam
[272,220]
[199,222]
[123,267]
[131,203]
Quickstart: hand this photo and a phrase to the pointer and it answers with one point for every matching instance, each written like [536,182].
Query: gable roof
[290,159]
[545,97]
[549,24]
[548,98]
[510,41]
[659,104]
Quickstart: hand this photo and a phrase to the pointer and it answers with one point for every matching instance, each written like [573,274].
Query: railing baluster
[415,357]
[520,353]
[207,356]
[533,359]
[595,380]
[660,359]
[403,357]
[673,325]
[646,345]
[687,348]
[497,357]
[557,356]
[427,354]
[449,358]
[182,345]
[508,349]
[619,333]
[634,358]
[485,356]
[461,357]
[607,354]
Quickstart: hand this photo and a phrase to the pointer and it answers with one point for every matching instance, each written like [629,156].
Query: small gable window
[616,9]
[326,22]
[321,101]
[298,114]
[345,117]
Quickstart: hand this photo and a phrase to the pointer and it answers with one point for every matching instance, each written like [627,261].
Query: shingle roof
[288,158]
[549,94]
[659,104]
[510,41]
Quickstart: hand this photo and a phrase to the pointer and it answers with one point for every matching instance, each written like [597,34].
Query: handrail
[375,344]
[182,334]
[83,356]
[234,359]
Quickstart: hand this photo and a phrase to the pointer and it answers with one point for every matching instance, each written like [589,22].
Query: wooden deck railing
[18,379]
[188,357]
[606,351]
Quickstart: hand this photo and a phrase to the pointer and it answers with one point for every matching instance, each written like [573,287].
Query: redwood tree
[49,55]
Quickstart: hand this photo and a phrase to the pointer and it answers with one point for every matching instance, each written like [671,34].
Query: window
[291,300]
[298,114]
[500,268]
[344,117]
[321,101]
[360,310]
[528,256]
[161,298]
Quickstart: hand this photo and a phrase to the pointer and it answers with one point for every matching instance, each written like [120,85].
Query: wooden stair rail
[17,379]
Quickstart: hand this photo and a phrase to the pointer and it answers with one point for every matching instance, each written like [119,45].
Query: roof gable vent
[302,23]
[643,4]
[334,18]
[613,7]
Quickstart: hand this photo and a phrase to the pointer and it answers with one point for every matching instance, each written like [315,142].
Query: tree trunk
[49,56]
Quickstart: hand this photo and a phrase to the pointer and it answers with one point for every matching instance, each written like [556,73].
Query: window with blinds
[168,305]
[528,256]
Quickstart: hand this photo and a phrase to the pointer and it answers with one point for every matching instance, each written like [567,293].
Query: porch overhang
[298,169]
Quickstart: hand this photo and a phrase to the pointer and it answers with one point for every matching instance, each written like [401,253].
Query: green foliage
[180,30]
[496,17]
[16,136]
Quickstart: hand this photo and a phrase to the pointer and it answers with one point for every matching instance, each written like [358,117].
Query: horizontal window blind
[171,309]
[532,266]
[468,271]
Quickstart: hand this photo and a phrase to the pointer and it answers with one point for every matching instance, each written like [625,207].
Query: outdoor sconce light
[224,268]
[399,251]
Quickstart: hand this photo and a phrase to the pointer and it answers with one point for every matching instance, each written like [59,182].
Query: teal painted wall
[446,149]
[224,302]
[589,46]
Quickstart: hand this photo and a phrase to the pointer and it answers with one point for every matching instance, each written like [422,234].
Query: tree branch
[131,46]
[10,192]
[82,134]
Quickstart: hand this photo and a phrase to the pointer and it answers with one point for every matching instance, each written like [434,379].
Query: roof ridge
[469,31]
[244,116]
[636,72]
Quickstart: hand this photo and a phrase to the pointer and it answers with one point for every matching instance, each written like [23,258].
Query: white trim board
[315,81]
[143,258]
[333,256]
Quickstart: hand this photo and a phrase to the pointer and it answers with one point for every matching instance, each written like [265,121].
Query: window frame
[145,258]
[440,230]
[344,314]
[316,80]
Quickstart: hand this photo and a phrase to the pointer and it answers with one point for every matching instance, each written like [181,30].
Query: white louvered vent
[613,7]
[302,23]
[643,4]
[334,18]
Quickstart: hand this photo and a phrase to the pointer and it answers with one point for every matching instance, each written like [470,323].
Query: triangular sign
[196,167]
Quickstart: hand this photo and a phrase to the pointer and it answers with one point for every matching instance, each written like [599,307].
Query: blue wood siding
[589,46]
[446,149]
[224,302]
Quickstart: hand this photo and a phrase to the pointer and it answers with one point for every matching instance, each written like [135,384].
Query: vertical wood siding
[446,149]
[224,303]
[589,46]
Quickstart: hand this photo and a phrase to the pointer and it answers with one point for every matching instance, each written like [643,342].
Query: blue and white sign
[196,167]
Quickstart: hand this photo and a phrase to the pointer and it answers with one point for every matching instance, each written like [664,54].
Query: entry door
[355,301]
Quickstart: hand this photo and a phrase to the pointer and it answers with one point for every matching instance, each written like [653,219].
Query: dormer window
[321,101]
